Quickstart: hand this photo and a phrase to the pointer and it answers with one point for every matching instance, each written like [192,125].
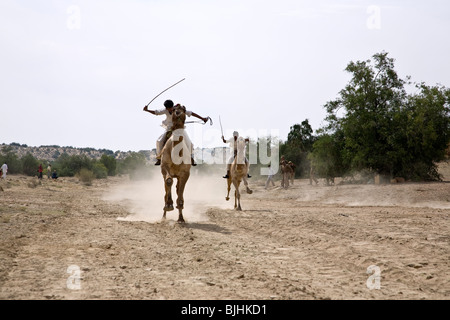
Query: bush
[86,176]
[100,171]
[68,166]
[110,164]
[29,165]
[11,159]
[134,165]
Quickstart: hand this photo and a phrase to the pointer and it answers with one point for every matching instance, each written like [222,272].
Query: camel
[238,173]
[292,173]
[287,173]
[312,175]
[176,162]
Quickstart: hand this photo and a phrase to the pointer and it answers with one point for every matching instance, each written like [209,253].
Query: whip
[165,91]
[198,121]
[221,129]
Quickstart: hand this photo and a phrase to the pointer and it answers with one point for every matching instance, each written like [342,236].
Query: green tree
[134,165]
[11,159]
[386,130]
[327,157]
[69,166]
[427,132]
[301,136]
[29,164]
[298,145]
[110,163]
[99,170]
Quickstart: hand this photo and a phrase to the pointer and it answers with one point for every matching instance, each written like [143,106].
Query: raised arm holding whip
[167,123]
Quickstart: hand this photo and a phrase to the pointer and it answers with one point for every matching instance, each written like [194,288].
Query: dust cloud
[144,199]
[413,195]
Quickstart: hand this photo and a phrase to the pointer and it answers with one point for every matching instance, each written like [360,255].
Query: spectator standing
[40,170]
[4,170]
[49,171]
[270,177]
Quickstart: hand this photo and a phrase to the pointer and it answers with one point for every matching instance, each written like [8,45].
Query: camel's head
[178,116]
[240,144]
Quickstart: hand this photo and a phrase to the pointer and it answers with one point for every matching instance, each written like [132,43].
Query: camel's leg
[237,196]
[168,196]
[249,191]
[228,188]
[181,183]
[284,182]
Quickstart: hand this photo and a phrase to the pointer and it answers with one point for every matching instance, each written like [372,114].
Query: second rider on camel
[233,144]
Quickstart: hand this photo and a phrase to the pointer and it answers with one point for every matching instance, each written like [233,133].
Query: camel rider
[233,144]
[167,125]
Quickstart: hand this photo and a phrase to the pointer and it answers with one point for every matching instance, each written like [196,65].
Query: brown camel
[176,162]
[238,173]
[286,172]
[292,173]
[312,175]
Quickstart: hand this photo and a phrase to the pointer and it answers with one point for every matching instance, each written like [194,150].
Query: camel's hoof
[168,208]
[227,198]
[249,191]
[181,221]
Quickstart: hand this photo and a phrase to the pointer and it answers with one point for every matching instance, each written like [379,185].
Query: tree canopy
[385,129]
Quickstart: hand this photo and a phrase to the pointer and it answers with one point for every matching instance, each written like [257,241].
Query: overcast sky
[78,73]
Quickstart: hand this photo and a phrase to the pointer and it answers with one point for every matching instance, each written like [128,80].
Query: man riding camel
[167,125]
[233,144]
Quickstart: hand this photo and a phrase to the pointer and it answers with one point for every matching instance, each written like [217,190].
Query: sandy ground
[66,240]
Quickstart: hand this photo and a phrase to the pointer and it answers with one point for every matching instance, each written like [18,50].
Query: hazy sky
[78,73]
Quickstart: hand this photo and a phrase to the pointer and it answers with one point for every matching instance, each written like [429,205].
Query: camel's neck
[240,156]
[177,125]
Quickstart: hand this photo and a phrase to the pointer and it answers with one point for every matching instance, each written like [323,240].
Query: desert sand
[65,240]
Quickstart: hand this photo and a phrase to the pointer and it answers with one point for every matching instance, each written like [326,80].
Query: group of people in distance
[53,175]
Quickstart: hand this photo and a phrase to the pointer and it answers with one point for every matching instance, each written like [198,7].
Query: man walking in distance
[4,170]
[270,178]
[167,125]
[49,171]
